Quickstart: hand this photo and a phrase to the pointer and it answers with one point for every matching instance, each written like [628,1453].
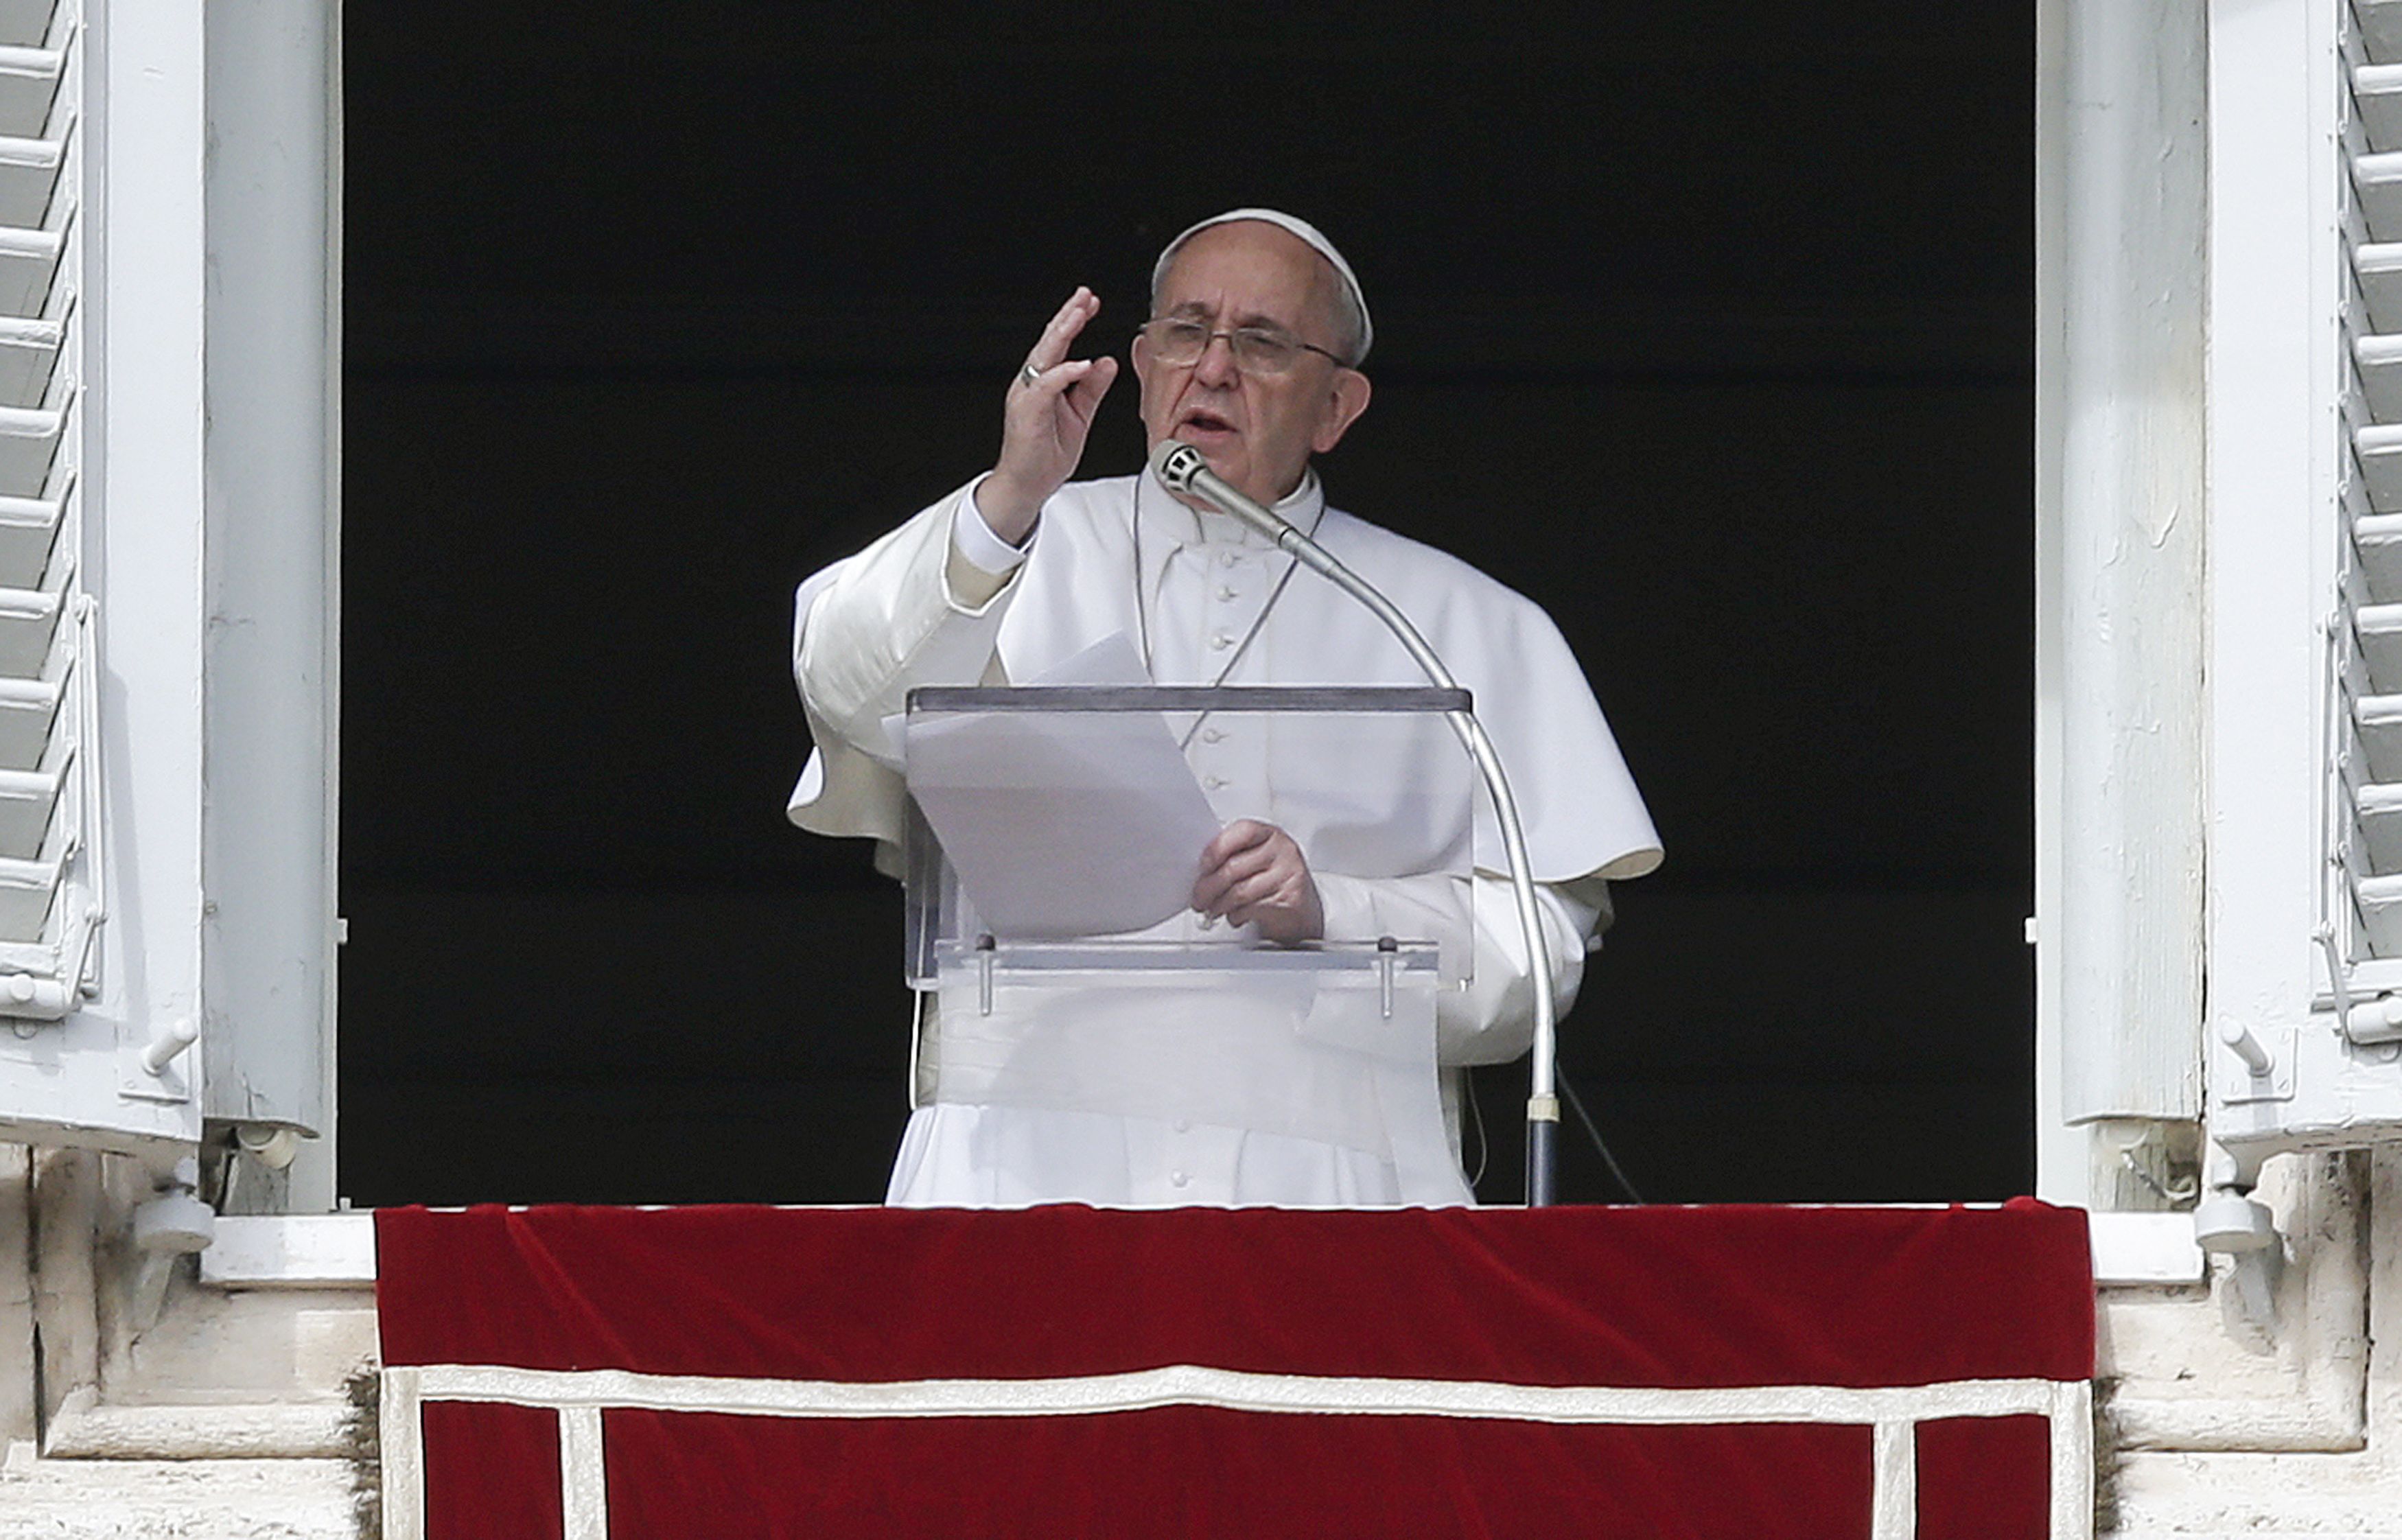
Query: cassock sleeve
[1491,1019]
[923,605]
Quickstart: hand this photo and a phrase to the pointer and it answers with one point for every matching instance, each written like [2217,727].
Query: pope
[1252,353]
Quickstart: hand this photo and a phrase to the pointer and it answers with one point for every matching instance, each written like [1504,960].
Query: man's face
[1257,430]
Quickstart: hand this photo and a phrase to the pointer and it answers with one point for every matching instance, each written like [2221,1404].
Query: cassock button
[1219,642]
[1210,735]
[1226,593]
[1216,783]
[1183,1125]
[1180,1179]
[1227,558]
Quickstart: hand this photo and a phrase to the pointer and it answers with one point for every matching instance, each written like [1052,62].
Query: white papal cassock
[941,600]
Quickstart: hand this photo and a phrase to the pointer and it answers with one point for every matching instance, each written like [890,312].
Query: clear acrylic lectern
[1055,836]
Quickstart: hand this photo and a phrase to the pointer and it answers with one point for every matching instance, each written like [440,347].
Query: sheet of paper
[1065,824]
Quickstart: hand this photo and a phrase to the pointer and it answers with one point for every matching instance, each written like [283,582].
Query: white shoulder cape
[1583,816]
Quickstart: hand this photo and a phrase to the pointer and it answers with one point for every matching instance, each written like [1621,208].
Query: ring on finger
[1030,375]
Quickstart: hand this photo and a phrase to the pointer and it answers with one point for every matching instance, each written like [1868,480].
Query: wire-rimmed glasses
[1178,341]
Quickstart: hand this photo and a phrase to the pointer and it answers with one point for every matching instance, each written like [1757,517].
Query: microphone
[1182,468]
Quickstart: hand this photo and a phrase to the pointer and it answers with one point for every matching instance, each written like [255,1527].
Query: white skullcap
[1310,234]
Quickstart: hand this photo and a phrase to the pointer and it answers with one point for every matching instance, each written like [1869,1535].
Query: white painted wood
[2279,366]
[122,225]
[2379,720]
[2378,89]
[2295,845]
[2380,451]
[29,260]
[29,530]
[2376,176]
[273,669]
[2377,539]
[291,1251]
[2379,358]
[2145,1249]
[2379,809]
[2379,628]
[2129,416]
[2376,266]
[2062,1174]
[2381,26]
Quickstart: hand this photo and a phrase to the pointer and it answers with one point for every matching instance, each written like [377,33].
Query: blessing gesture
[1044,419]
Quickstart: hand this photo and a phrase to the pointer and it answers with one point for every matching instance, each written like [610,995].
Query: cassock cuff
[975,541]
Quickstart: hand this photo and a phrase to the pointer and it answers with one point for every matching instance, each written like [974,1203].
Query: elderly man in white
[1258,327]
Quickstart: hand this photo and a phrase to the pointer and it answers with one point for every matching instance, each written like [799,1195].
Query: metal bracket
[2252,1066]
[159,1070]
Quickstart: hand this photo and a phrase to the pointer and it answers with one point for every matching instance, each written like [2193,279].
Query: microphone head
[1177,464]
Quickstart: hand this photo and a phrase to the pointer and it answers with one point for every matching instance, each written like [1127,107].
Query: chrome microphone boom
[1182,469]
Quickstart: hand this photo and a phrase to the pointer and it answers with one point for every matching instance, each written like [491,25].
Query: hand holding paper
[1064,825]
[1254,873]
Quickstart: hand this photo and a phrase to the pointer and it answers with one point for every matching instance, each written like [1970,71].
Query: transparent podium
[1055,833]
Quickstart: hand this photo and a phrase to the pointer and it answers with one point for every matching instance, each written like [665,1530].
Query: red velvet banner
[1672,1297]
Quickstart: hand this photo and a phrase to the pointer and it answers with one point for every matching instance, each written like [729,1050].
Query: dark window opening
[1712,333]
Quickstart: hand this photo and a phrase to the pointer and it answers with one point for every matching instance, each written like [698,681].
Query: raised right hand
[1044,421]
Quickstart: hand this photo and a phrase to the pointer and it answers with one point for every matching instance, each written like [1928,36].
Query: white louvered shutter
[50,901]
[102,571]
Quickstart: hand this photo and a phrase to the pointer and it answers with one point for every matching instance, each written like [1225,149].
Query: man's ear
[1140,355]
[1346,398]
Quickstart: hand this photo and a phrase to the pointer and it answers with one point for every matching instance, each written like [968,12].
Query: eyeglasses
[1258,350]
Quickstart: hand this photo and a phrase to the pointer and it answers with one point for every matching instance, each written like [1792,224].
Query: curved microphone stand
[1182,468]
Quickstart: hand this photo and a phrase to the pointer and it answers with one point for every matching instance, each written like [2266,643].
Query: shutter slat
[2380,448]
[2379,627]
[29,530]
[2377,720]
[2377,178]
[2378,539]
[29,174]
[2380,28]
[2377,89]
[29,83]
[25,23]
[29,708]
[2378,266]
[29,356]
[2380,810]
[28,798]
[29,262]
[2379,901]
[2379,360]
[29,445]
[27,890]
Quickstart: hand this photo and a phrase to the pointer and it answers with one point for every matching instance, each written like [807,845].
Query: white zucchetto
[1302,230]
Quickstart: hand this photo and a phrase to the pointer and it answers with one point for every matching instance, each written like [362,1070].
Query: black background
[1710,328]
